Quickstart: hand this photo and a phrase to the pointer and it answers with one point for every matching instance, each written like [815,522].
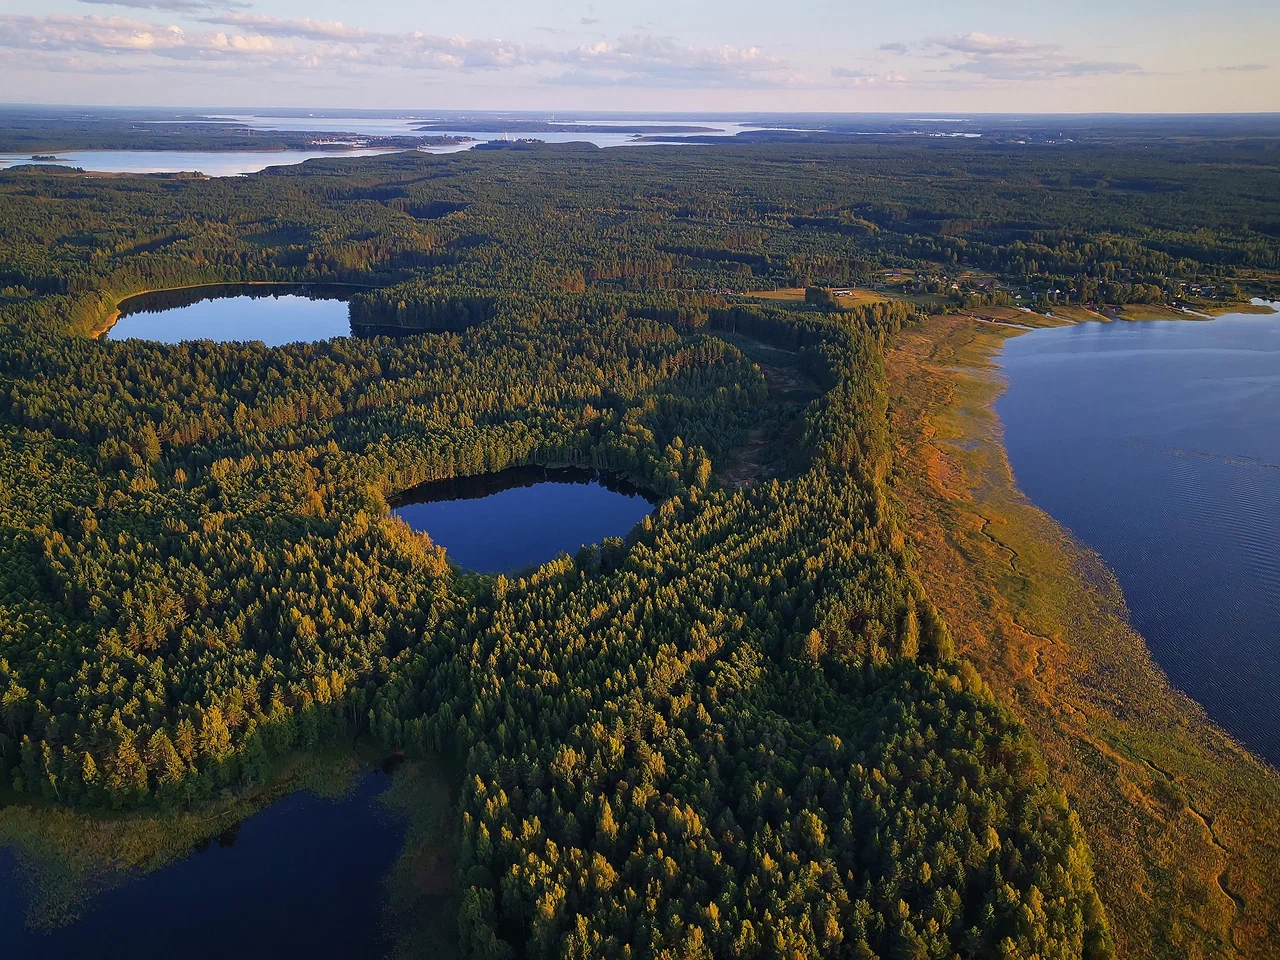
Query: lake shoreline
[183,162]
[1174,808]
[102,327]
[96,844]
[70,864]
[1156,446]
[500,522]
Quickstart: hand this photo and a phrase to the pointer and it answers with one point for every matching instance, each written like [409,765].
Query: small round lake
[304,877]
[274,314]
[522,517]
[1158,444]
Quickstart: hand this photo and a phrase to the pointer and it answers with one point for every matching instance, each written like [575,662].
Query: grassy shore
[1159,311]
[1180,818]
[69,855]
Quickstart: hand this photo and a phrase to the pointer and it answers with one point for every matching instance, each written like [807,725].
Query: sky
[688,56]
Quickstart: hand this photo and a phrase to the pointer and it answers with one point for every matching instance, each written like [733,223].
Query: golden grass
[785,294]
[859,297]
[1218,310]
[1143,311]
[1077,313]
[1012,316]
[1152,311]
[1182,821]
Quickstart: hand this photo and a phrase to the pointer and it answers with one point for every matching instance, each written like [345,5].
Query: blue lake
[212,163]
[229,163]
[519,518]
[1158,445]
[303,878]
[274,315]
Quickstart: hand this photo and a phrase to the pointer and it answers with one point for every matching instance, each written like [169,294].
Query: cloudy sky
[688,55]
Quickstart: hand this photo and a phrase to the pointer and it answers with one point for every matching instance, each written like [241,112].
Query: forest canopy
[742,732]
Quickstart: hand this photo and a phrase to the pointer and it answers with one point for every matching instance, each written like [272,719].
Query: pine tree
[164,761]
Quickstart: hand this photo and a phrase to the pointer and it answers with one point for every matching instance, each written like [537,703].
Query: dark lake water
[1158,445]
[303,878]
[237,312]
[518,518]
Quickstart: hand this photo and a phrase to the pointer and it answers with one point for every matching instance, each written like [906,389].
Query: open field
[1178,816]
[781,295]
[859,297]
[1013,317]
[796,295]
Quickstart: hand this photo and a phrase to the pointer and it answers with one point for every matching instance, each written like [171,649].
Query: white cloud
[432,52]
[995,57]
[1238,68]
[861,78]
[1089,68]
[236,37]
[305,28]
[175,6]
[80,44]
[298,42]
[986,45]
[662,60]
[91,33]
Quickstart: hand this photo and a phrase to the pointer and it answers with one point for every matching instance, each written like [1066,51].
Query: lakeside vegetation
[745,731]
[69,855]
[1176,812]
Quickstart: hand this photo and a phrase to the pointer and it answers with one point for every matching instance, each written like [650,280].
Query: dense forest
[744,731]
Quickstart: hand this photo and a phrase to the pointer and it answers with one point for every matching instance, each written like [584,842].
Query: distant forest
[743,731]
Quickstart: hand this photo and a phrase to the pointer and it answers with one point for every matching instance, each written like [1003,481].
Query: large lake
[303,878]
[216,163]
[409,126]
[519,518]
[212,163]
[274,314]
[1158,445]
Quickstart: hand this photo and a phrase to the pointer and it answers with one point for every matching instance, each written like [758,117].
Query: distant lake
[303,878]
[276,315]
[229,163]
[1158,445]
[212,163]
[408,127]
[521,517]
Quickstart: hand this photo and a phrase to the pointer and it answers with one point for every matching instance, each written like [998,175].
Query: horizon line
[910,114]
